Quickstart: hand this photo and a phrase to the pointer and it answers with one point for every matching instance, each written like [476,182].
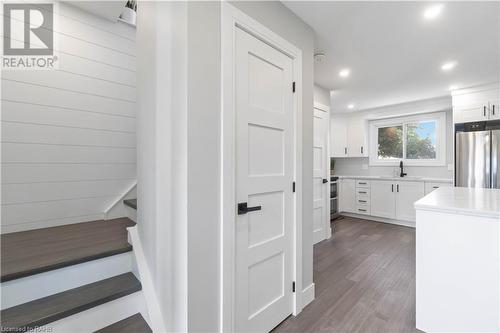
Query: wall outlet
[364,166]
[451,167]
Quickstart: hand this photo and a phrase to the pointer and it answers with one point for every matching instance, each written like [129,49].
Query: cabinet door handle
[397,188]
[484,110]
[435,187]
[362,147]
[361,200]
[361,192]
[362,210]
[493,109]
[345,151]
[392,187]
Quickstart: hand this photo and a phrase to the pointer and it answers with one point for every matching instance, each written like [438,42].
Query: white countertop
[406,178]
[461,200]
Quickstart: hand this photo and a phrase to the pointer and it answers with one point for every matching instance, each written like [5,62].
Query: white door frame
[233,18]
[328,228]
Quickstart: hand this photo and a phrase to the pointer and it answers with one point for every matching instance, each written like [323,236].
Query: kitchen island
[458,260]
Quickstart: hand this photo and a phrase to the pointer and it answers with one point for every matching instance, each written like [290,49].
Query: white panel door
[264,176]
[347,195]
[407,194]
[383,200]
[321,214]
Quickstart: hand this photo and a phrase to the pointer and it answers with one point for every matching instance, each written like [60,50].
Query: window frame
[438,117]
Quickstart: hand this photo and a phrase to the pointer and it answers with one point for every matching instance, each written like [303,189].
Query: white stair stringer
[40,285]
[100,316]
[141,271]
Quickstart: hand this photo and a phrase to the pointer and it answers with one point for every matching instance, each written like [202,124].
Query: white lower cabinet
[406,195]
[388,199]
[347,195]
[383,203]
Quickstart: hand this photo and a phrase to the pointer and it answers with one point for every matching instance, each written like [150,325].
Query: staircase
[72,278]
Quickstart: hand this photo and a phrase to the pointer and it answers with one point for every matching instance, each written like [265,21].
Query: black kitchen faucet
[402,174]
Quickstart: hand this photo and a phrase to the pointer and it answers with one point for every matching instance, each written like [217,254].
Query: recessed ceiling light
[453,87]
[433,11]
[350,106]
[345,72]
[448,65]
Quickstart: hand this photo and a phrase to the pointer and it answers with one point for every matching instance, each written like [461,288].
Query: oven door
[333,189]
[334,208]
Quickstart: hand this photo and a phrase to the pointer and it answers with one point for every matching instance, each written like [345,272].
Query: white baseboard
[380,219]
[40,285]
[307,295]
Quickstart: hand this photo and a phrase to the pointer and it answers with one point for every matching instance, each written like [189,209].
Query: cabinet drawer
[362,200]
[363,209]
[362,183]
[363,191]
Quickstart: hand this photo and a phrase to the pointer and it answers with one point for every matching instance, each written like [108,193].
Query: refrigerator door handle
[495,159]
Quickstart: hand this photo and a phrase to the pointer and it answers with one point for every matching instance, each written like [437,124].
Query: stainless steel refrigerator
[477,155]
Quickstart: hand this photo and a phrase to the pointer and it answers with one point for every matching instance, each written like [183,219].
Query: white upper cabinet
[348,136]
[338,137]
[356,137]
[476,104]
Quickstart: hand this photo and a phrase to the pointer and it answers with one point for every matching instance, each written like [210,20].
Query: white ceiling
[395,55]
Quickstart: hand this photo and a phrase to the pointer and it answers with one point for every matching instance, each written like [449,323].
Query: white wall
[275,16]
[360,165]
[179,156]
[321,95]
[68,135]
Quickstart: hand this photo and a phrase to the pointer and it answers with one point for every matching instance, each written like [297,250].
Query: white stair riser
[36,286]
[101,316]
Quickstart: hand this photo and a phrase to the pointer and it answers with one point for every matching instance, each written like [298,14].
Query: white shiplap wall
[68,135]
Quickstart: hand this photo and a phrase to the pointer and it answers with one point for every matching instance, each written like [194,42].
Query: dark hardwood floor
[365,281]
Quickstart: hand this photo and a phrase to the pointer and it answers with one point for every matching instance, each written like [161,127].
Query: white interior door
[264,177]
[321,214]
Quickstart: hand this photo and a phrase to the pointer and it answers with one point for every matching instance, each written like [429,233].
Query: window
[416,140]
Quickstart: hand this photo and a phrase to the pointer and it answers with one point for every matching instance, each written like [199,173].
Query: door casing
[231,19]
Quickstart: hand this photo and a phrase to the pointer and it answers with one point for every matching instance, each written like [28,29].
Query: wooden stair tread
[35,251]
[131,203]
[45,310]
[132,324]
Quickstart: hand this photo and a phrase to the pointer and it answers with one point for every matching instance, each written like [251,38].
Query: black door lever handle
[243,208]
[325,181]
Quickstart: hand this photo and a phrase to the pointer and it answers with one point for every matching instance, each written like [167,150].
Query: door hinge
[293,86]
[293,187]
[293,286]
